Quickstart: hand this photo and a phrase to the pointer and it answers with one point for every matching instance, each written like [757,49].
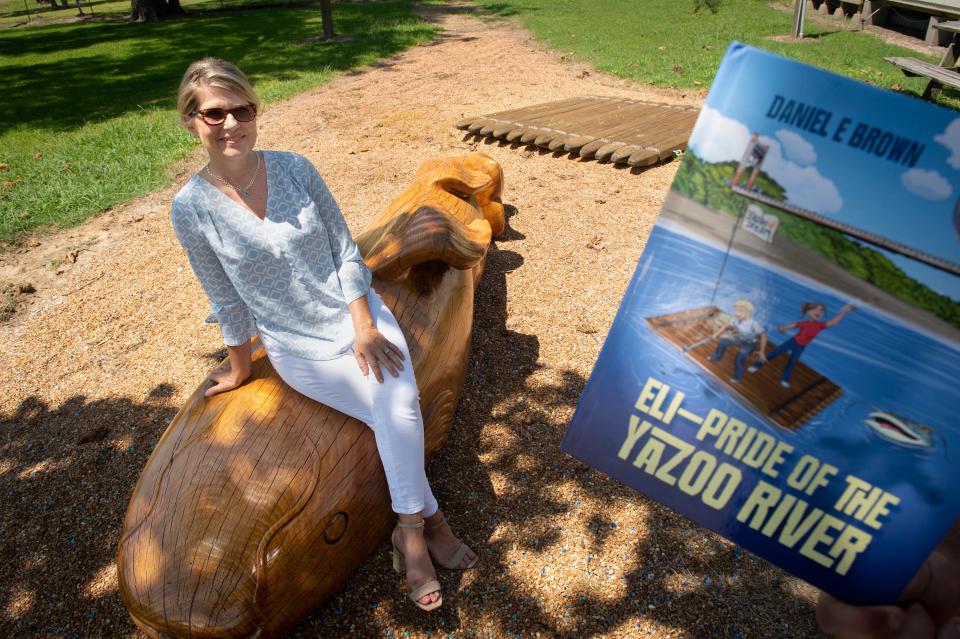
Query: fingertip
[824,611]
[836,617]
[951,629]
[914,622]
[894,619]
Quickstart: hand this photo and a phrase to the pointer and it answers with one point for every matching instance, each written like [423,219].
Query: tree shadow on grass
[66,475]
[120,68]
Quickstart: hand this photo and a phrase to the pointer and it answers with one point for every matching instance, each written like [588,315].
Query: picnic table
[940,75]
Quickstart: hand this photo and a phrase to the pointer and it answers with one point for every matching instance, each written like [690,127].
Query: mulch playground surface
[110,341]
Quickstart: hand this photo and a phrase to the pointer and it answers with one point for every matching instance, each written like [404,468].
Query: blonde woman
[273,253]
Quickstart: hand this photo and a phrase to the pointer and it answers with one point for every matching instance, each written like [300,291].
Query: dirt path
[98,359]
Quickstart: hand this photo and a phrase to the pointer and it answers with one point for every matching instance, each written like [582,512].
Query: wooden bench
[875,12]
[939,76]
[929,6]
[951,28]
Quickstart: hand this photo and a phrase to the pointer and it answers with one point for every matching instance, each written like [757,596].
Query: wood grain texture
[257,504]
[619,130]
[809,392]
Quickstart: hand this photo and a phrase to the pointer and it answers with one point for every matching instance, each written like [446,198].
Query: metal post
[27,9]
[799,11]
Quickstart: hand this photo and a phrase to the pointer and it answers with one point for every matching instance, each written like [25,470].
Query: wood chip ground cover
[109,341]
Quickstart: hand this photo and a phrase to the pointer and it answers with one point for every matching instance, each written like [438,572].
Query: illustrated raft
[809,391]
[619,130]
[257,504]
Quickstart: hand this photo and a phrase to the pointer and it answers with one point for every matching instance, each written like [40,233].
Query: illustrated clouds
[927,184]
[717,138]
[951,139]
[796,148]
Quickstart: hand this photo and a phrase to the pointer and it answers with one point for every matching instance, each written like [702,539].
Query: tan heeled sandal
[399,565]
[454,562]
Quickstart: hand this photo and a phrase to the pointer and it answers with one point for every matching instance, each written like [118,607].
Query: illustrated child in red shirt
[807,330]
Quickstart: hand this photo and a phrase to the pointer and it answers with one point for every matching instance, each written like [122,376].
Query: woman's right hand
[225,378]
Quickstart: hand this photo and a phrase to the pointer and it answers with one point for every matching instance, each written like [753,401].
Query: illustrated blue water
[880,362]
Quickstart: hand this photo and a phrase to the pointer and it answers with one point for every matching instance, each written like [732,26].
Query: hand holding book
[929,608]
[740,386]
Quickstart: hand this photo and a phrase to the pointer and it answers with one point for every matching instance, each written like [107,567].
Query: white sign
[760,224]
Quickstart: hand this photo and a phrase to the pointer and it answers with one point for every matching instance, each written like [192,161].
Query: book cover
[784,366]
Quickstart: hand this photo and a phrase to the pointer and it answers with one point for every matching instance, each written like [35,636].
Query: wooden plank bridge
[809,391]
[619,130]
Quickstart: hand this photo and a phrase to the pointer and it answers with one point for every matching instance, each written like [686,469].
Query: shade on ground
[809,391]
[619,130]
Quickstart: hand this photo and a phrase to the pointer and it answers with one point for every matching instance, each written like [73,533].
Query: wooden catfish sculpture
[257,504]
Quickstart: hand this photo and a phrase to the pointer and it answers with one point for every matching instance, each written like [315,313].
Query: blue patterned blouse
[289,276]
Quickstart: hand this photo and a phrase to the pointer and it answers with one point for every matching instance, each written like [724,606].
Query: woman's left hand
[374,351]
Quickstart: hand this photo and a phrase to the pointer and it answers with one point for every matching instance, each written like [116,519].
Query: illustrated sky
[825,168]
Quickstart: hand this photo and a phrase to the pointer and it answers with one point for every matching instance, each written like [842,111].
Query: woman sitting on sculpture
[273,253]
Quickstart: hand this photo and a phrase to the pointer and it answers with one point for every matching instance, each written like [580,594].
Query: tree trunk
[326,13]
[153,10]
[147,10]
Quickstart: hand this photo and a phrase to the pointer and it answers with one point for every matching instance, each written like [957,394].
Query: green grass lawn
[87,120]
[665,43]
[87,117]
[28,13]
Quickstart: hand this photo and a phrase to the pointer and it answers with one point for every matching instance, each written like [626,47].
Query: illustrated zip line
[753,159]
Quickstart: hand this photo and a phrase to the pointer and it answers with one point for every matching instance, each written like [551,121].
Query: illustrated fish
[900,430]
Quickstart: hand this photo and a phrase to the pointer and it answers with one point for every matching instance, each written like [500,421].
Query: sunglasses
[213,117]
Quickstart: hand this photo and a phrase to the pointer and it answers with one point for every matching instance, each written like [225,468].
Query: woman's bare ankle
[435,520]
[410,540]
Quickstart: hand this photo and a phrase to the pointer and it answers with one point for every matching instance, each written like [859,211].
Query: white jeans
[391,409]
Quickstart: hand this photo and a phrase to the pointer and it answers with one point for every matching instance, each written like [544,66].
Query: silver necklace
[245,190]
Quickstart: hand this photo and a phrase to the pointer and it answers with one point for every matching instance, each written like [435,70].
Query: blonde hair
[746,305]
[216,73]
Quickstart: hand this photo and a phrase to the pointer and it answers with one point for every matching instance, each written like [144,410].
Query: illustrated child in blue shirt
[747,334]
